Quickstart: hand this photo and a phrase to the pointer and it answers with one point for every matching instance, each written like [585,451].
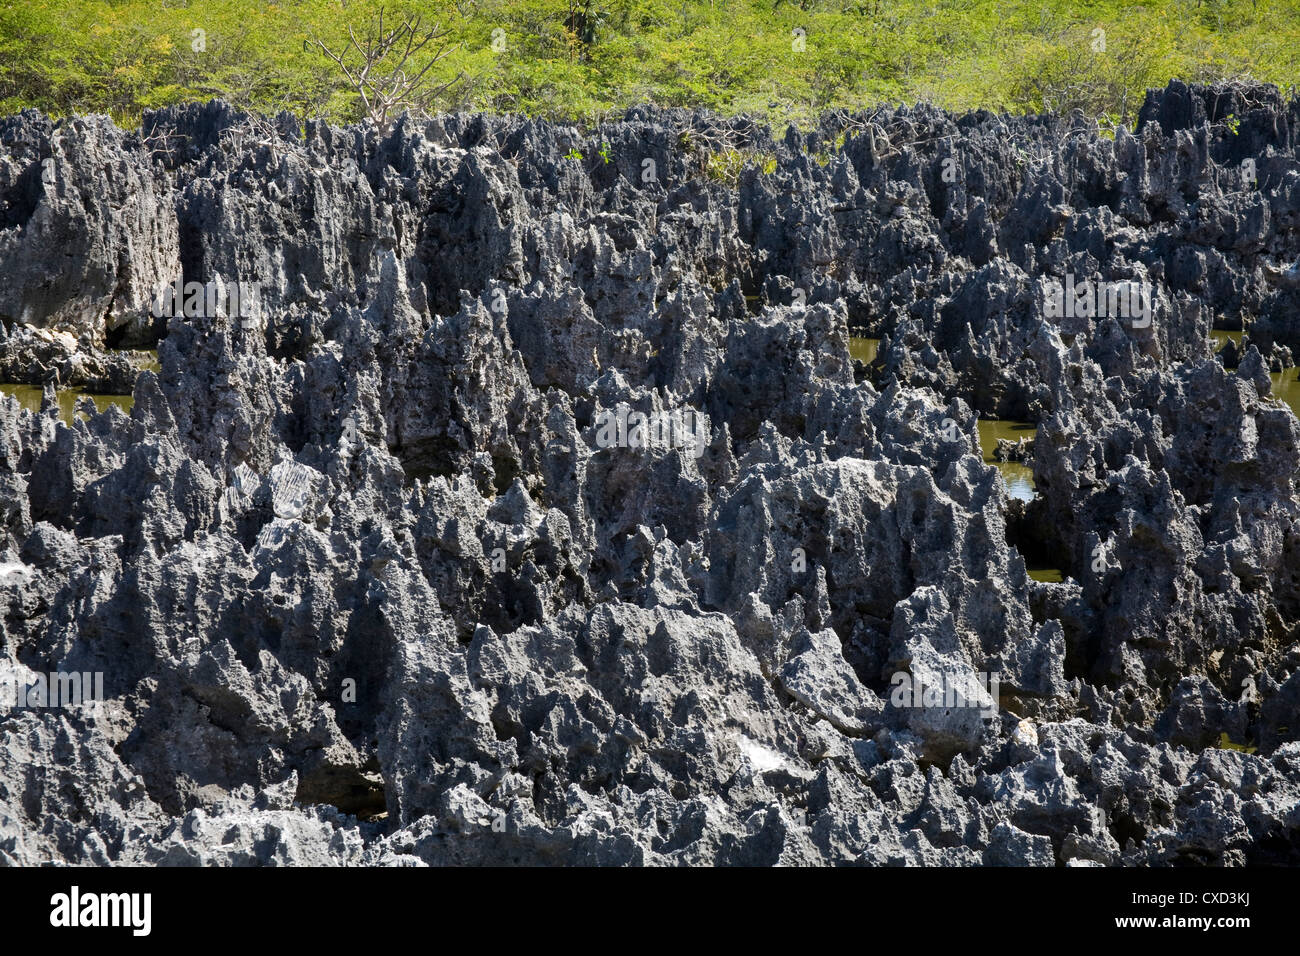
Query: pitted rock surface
[372,580]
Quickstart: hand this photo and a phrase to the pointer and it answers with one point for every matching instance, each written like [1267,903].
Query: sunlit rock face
[490,505]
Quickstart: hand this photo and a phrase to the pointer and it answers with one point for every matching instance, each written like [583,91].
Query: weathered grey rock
[86,234]
[372,580]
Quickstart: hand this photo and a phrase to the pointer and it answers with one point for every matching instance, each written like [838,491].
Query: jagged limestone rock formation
[537,512]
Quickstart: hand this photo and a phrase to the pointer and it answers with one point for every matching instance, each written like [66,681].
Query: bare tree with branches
[377,65]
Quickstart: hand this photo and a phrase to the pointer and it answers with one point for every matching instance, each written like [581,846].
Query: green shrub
[581,59]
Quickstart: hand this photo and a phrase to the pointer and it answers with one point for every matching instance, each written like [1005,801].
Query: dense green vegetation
[584,58]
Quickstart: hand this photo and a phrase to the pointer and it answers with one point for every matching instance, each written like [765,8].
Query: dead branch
[376,65]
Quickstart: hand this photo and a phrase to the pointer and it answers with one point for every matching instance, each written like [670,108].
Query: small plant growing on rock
[725,165]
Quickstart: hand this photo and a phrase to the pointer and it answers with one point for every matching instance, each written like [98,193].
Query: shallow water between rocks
[864,350]
[1019,478]
[1222,337]
[29,396]
[1286,383]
